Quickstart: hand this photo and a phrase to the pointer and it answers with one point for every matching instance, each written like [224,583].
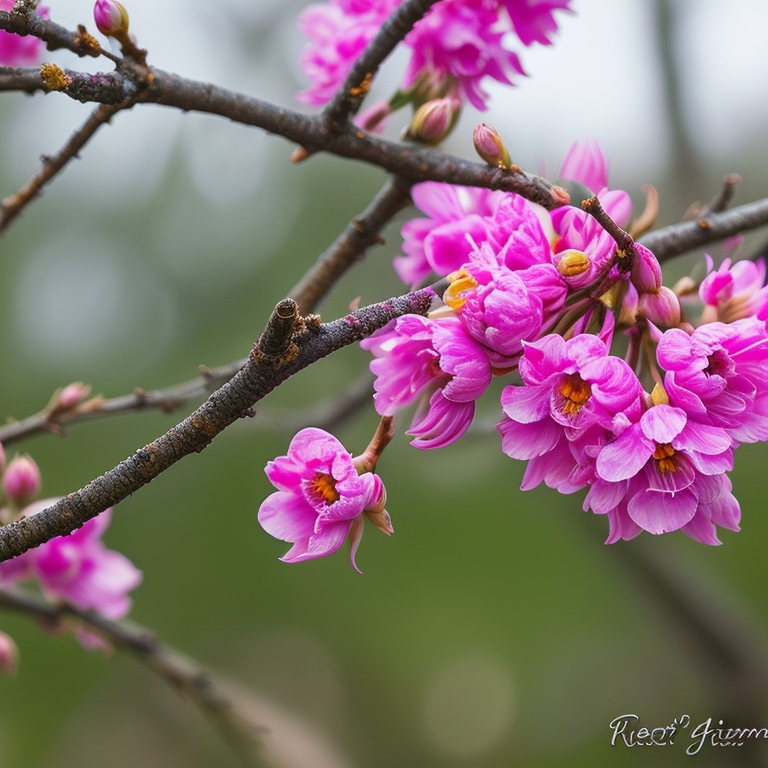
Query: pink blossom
[9,655]
[564,411]
[735,291]
[501,308]
[18,51]
[320,497]
[461,41]
[718,375]
[416,357]
[665,472]
[533,20]
[462,219]
[454,47]
[440,242]
[339,32]
[77,568]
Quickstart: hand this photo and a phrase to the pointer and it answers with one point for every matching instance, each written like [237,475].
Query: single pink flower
[734,291]
[718,375]
[666,472]
[77,568]
[320,497]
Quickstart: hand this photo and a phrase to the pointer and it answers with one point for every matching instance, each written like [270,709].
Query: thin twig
[349,247]
[235,399]
[351,94]
[178,670]
[12,205]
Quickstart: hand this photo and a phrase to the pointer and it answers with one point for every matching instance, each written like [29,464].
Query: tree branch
[350,245]
[687,235]
[54,35]
[12,205]
[235,399]
[351,94]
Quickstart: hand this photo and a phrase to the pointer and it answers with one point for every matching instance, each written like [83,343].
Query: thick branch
[355,87]
[687,235]
[21,79]
[259,376]
[350,245]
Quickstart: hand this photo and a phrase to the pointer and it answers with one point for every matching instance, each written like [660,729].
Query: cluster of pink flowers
[18,51]
[542,294]
[453,48]
[76,569]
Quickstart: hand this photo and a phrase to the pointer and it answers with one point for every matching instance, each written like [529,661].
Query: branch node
[276,343]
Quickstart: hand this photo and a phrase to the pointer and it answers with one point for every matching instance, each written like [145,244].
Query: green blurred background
[495,629]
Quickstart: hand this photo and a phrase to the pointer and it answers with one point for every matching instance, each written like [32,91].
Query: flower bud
[571,262]
[646,271]
[662,307]
[22,480]
[433,121]
[9,654]
[490,146]
[111,18]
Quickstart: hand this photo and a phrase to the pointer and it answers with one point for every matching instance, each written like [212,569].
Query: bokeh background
[495,628]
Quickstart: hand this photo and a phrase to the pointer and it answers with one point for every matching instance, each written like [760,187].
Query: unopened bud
[22,481]
[111,18]
[9,654]
[662,307]
[572,262]
[433,121]
[490,146]
[646,271]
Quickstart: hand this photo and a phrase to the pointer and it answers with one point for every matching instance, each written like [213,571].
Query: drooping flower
[320,498]
[18,51]
[461,41]
[77,568]
[434,359]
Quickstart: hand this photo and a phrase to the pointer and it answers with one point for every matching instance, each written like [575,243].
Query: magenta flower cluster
[76,569]
[453,48]
[650,436]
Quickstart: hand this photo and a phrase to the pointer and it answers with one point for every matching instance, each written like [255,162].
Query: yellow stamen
[325,487]
[576,392]
[665,455]
[460,281]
